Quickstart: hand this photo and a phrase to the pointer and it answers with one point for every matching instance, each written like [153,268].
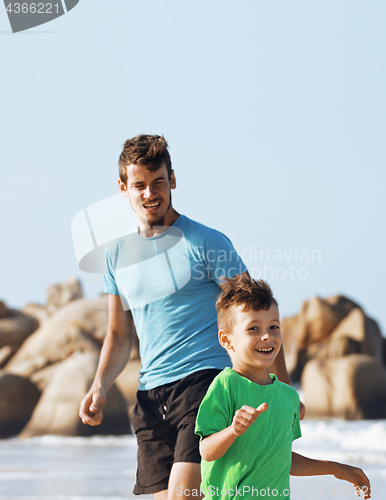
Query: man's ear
[224,339]
[122,188]
[173,182]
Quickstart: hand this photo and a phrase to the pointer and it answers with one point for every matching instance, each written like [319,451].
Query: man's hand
[279,368]
[245,417]
[91,406]
[356,477]
[115,354]
[302,411]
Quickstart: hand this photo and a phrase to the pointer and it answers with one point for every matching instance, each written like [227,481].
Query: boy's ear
[224,339]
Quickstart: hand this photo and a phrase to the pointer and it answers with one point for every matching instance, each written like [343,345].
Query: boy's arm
[216,445]
[303,466]
[279,368]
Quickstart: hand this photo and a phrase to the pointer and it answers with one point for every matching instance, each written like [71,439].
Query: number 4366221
[33,8]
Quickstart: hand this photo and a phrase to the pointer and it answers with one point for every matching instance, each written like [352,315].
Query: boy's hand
[245,417]
[356,476]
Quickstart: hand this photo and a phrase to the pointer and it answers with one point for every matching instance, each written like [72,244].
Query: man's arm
[303,466]
[115,354]
[216,445]
[279,368]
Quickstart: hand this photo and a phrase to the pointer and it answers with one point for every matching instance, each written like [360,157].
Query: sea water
[101,468]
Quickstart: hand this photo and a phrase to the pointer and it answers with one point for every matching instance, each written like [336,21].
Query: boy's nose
[266,335]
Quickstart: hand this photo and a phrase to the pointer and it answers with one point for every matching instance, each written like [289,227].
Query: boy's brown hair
[241,290]
[149,150]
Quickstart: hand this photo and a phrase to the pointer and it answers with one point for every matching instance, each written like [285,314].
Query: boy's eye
[275,327]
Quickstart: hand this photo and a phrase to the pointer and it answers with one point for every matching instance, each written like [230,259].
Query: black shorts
[164,419]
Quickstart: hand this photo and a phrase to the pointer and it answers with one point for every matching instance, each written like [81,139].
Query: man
[176,326]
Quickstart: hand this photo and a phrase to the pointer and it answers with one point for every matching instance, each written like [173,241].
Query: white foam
[362,441]
[119,441]
[103,467]
[60,497]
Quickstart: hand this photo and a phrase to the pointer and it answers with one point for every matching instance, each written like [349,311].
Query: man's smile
[151,206]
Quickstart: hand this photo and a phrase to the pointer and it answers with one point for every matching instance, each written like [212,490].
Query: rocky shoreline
[49,355]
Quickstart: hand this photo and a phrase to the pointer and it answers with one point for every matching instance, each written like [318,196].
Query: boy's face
[254,342]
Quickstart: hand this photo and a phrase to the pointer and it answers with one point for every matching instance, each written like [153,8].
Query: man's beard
[161,220]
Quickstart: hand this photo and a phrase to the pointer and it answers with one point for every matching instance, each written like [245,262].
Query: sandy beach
[103,468]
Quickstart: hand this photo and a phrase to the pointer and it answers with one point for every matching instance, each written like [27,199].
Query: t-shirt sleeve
[214,412]
[220,257]
[109,284]
[296,432]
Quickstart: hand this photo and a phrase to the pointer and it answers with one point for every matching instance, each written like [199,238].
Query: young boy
[242,457]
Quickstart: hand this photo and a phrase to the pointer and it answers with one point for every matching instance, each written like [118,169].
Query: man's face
[255,341]
[149,194]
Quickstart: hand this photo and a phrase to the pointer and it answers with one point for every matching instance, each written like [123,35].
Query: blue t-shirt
[170,283]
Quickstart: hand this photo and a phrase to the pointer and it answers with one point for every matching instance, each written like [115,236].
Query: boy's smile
[254,342]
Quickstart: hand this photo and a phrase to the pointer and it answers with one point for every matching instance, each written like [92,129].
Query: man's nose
[149,191]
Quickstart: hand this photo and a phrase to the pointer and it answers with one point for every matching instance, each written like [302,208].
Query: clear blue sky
[274,112]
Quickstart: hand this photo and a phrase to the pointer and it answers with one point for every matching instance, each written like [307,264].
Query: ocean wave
[363,441]
[358,441]
[61,497]
[48,440]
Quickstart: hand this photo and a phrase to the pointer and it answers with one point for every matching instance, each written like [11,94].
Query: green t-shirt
[260,459]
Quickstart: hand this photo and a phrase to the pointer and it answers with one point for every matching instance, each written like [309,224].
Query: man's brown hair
[149,150]
[241,290]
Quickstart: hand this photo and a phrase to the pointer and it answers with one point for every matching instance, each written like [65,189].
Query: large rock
[57,296]
[341,302]
[57,410]
[384,351]
[79,326]
[4,311]
[305,334]
[41,378]
[357,333]
[15,327]
[18,398]
[127,383]
[5,355]
[63,293]
[36,311]
[322,316]
[352,387]
[50,346]
[293,332]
